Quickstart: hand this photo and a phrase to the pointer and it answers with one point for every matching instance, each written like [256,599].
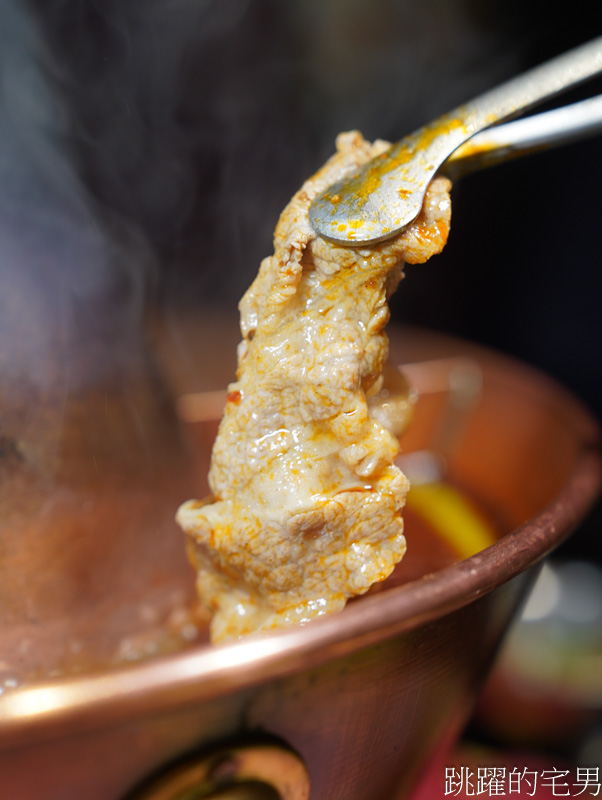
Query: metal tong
[387,193]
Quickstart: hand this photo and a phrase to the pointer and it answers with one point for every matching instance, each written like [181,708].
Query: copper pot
[352,706]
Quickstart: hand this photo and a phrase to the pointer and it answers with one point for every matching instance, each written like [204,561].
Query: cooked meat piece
[306,506]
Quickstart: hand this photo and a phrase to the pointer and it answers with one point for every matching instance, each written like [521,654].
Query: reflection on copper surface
[400,665]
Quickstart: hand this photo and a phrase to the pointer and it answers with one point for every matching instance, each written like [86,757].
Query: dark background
[183,127]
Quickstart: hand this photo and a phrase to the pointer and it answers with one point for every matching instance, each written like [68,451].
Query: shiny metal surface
[387,193]
[368,697]
[526,136]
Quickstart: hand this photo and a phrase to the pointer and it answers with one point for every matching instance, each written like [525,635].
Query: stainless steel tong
[386,194]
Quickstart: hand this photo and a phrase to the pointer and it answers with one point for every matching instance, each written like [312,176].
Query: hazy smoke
[191,122]
[183,126]
[162,99]
[71,272]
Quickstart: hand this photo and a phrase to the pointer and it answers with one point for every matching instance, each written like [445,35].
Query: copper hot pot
[351,707]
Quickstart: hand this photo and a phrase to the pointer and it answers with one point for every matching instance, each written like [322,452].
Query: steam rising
[189,124]
[63,264]
[149,146]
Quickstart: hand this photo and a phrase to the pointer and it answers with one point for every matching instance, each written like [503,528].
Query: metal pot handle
[235,772]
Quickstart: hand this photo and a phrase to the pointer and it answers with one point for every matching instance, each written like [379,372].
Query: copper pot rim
[77,703]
